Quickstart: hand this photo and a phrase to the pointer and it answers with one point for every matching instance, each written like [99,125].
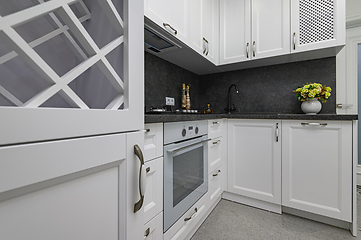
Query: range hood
[156,41]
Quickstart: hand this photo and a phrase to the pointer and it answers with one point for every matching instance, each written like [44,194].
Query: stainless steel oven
[185,167]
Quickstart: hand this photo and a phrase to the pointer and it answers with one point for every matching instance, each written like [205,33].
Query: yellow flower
[307,86]
[327,89]
[327,94]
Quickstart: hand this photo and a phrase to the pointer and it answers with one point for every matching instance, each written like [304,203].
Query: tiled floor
[231,220]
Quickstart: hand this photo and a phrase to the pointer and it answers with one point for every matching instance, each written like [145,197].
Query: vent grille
[316,21]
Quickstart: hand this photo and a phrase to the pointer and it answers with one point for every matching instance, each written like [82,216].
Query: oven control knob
[184,132]
[197,130]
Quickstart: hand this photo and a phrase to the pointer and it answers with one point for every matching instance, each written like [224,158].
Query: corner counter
[155,118]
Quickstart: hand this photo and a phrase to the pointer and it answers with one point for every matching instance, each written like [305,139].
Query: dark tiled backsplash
[262,89]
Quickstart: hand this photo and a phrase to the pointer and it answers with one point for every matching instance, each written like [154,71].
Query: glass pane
[187,174]
[78,9]
[56,101]
[13,6]
[115,59]
[94,88]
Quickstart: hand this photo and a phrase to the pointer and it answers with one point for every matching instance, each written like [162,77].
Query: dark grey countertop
[163,117]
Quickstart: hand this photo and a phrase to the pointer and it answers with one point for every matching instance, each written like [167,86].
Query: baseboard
[317,218]
[253,202]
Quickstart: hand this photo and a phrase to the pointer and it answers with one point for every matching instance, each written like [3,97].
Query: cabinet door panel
[316,168]
[235,24]
[270,28]
[254,159]
[153,141]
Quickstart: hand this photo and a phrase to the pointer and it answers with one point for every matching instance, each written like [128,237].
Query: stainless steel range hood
[156,41]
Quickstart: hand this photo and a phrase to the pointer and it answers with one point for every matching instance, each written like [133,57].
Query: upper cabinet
[253,29]
[171,15]
[204,28]
[317,24]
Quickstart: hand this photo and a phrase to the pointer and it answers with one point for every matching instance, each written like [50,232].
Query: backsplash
[262,89]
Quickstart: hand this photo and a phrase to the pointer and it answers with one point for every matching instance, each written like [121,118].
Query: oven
[185,167]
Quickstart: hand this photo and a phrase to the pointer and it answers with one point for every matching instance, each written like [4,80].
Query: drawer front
[153,230]
[153,197]
[215,153]
[215,128]
[153,141]
[215,184]
[182,228]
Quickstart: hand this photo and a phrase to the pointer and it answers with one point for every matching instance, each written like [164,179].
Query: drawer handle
[247,49]
[195,212]
[146,130]
[254,48]
[277,132]
[216,142]
[167,25]
[147,170]
[147,232]
[216,174]
[215,123]
[314,124]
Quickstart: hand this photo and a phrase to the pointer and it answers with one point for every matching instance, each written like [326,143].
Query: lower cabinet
[317,167]
[254,159]
[154,228]
[215,185]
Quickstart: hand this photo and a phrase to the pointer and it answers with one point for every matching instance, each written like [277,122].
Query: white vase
[311,106]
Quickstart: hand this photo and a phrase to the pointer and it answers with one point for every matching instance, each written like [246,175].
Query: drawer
[215,128]
[153,197]
[215,153]
[153,230]
[181,229]
[215,184]
[153,141]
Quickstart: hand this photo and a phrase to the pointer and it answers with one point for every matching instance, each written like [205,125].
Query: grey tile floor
[231,220]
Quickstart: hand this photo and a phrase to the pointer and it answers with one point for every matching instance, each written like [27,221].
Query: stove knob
[197,130]
[184,132]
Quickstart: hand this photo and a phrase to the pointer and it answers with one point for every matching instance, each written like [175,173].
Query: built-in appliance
[185,167]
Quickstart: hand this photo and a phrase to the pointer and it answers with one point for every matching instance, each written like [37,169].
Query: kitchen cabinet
[204,28]
[215,185]
[253,29]
[153,141]
[254,159]
[317,24]
[154,228]
[173,16]
[317,167]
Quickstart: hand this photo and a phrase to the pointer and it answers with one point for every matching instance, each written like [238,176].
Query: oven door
[185,177]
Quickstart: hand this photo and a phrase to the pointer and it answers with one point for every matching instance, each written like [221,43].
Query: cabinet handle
[195,212]
[216,174]
[147,170]
[142,178]
[254,48]
[277,132]
[214,123]
[216,142]
[205,46]
[294,41]
[167,25]
[314,124]
[206,49]
[247,50]
[340,105]
[147,130]
[147,232]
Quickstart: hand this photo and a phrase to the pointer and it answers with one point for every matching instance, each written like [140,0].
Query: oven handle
[182,148]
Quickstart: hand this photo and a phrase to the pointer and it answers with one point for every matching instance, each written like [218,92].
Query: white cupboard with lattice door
[317,24]
[71,91]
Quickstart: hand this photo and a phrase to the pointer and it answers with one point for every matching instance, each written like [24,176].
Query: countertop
[163,117]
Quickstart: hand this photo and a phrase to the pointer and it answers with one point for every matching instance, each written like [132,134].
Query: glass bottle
[208,109]
[184,96]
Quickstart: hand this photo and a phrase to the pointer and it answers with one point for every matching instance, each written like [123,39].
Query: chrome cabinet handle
[216,142]
[277,132]
[182,148]
[254,48]
[167,25]
[340,105]
[314,124]
[294,41]
[247,50]
[215,123]
[147,169]
[147,232]
[142,178]
[195,212]
[216,174]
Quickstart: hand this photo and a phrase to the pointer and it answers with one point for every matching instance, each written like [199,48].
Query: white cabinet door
[317,24]
[235,31]
[154,228]
[153,198]
[254,159]
[204,28]
[153,141]
[317,167]
[170,15]
[270,28]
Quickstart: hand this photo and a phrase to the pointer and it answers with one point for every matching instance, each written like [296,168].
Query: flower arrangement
[313,90]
